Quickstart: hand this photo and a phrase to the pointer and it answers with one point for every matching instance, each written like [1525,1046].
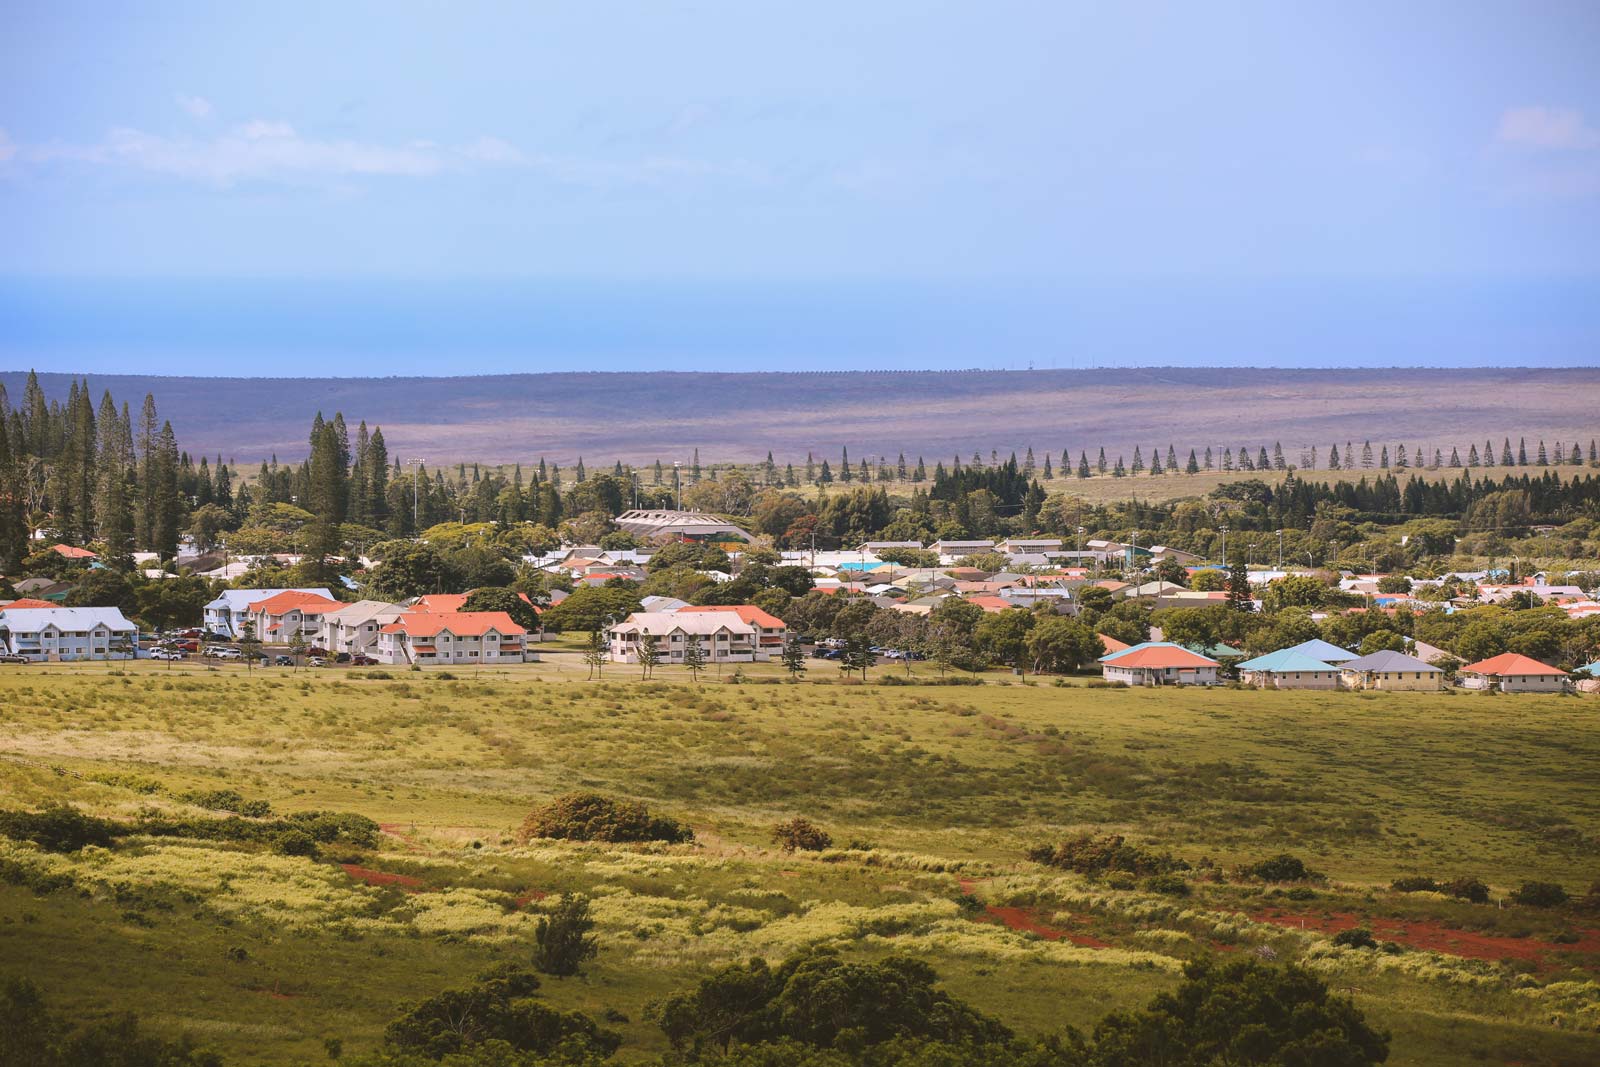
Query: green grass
[947,784]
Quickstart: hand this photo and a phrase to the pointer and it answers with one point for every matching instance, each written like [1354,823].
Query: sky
[430,188]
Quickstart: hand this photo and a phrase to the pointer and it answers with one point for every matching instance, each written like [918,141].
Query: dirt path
[410,883]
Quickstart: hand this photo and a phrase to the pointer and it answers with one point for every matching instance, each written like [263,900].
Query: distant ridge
[638,417]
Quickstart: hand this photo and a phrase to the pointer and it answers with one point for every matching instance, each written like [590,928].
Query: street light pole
[1280,550]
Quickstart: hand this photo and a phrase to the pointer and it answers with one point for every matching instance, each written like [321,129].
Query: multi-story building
[50,634]
[427,637]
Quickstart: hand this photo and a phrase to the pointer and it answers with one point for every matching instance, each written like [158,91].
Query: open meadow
[932,794]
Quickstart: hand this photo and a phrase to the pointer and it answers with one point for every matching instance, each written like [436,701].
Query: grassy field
[936,791]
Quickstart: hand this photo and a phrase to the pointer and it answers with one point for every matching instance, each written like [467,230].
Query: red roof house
[1511,673]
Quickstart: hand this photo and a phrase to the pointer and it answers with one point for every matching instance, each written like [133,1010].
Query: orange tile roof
[28,602]
[448,603]
[992,604]
[460,623]
[289,599]
[747,613]
[1510,663]
[1157,656]
[75,553]
[445,602]
[1112,644]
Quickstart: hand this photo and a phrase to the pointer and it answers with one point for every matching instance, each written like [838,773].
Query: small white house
[1511,673]
[52,634]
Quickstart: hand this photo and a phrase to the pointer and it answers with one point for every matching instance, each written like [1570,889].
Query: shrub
[1172,885]
[1241,1011]
[561,940]
[1357,937]
[1280,868]
[801,834]
[1539,895]
[595,817]
[1467,888]
[969,905]
[1301,892]
[1099,855]
[58,829]
[1414,883]
[499,1008]
[294,843]
[229,800]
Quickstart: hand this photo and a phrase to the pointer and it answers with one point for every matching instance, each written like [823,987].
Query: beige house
[723,636]
[1391,672]
[354,628]
[459,637]
[1288,669]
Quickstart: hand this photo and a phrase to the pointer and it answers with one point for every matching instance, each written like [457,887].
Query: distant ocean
[309,327]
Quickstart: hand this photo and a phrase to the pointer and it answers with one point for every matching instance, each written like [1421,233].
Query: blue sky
[457,188]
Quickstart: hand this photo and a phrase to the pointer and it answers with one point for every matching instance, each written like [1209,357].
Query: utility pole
[1280,550]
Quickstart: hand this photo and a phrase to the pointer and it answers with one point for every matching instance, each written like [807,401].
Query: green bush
[229,800]
[1414,883]
[1539,895]
[1281,868]
[801,834]
[499,1008]
[58,829]
[1467,888]
[1101,855]
[596,817]
[1358,937]
[294,843]
[1172,885]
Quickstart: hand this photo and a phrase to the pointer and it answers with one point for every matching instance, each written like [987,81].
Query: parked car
[318,661]
[283,661]
[8,658]
[229,653]
[341,657]
[363,661]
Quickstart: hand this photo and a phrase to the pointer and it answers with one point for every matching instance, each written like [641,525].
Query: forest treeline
[99,473]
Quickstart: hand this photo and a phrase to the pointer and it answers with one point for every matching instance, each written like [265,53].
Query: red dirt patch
[372,877]
[530,896]
[1024,921]
[1432,936]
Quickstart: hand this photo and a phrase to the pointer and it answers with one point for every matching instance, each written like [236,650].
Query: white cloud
[197,106]
[272,150]
[1553,128]
[262,150]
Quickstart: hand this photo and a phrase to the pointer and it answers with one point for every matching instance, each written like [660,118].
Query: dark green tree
[562,940]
